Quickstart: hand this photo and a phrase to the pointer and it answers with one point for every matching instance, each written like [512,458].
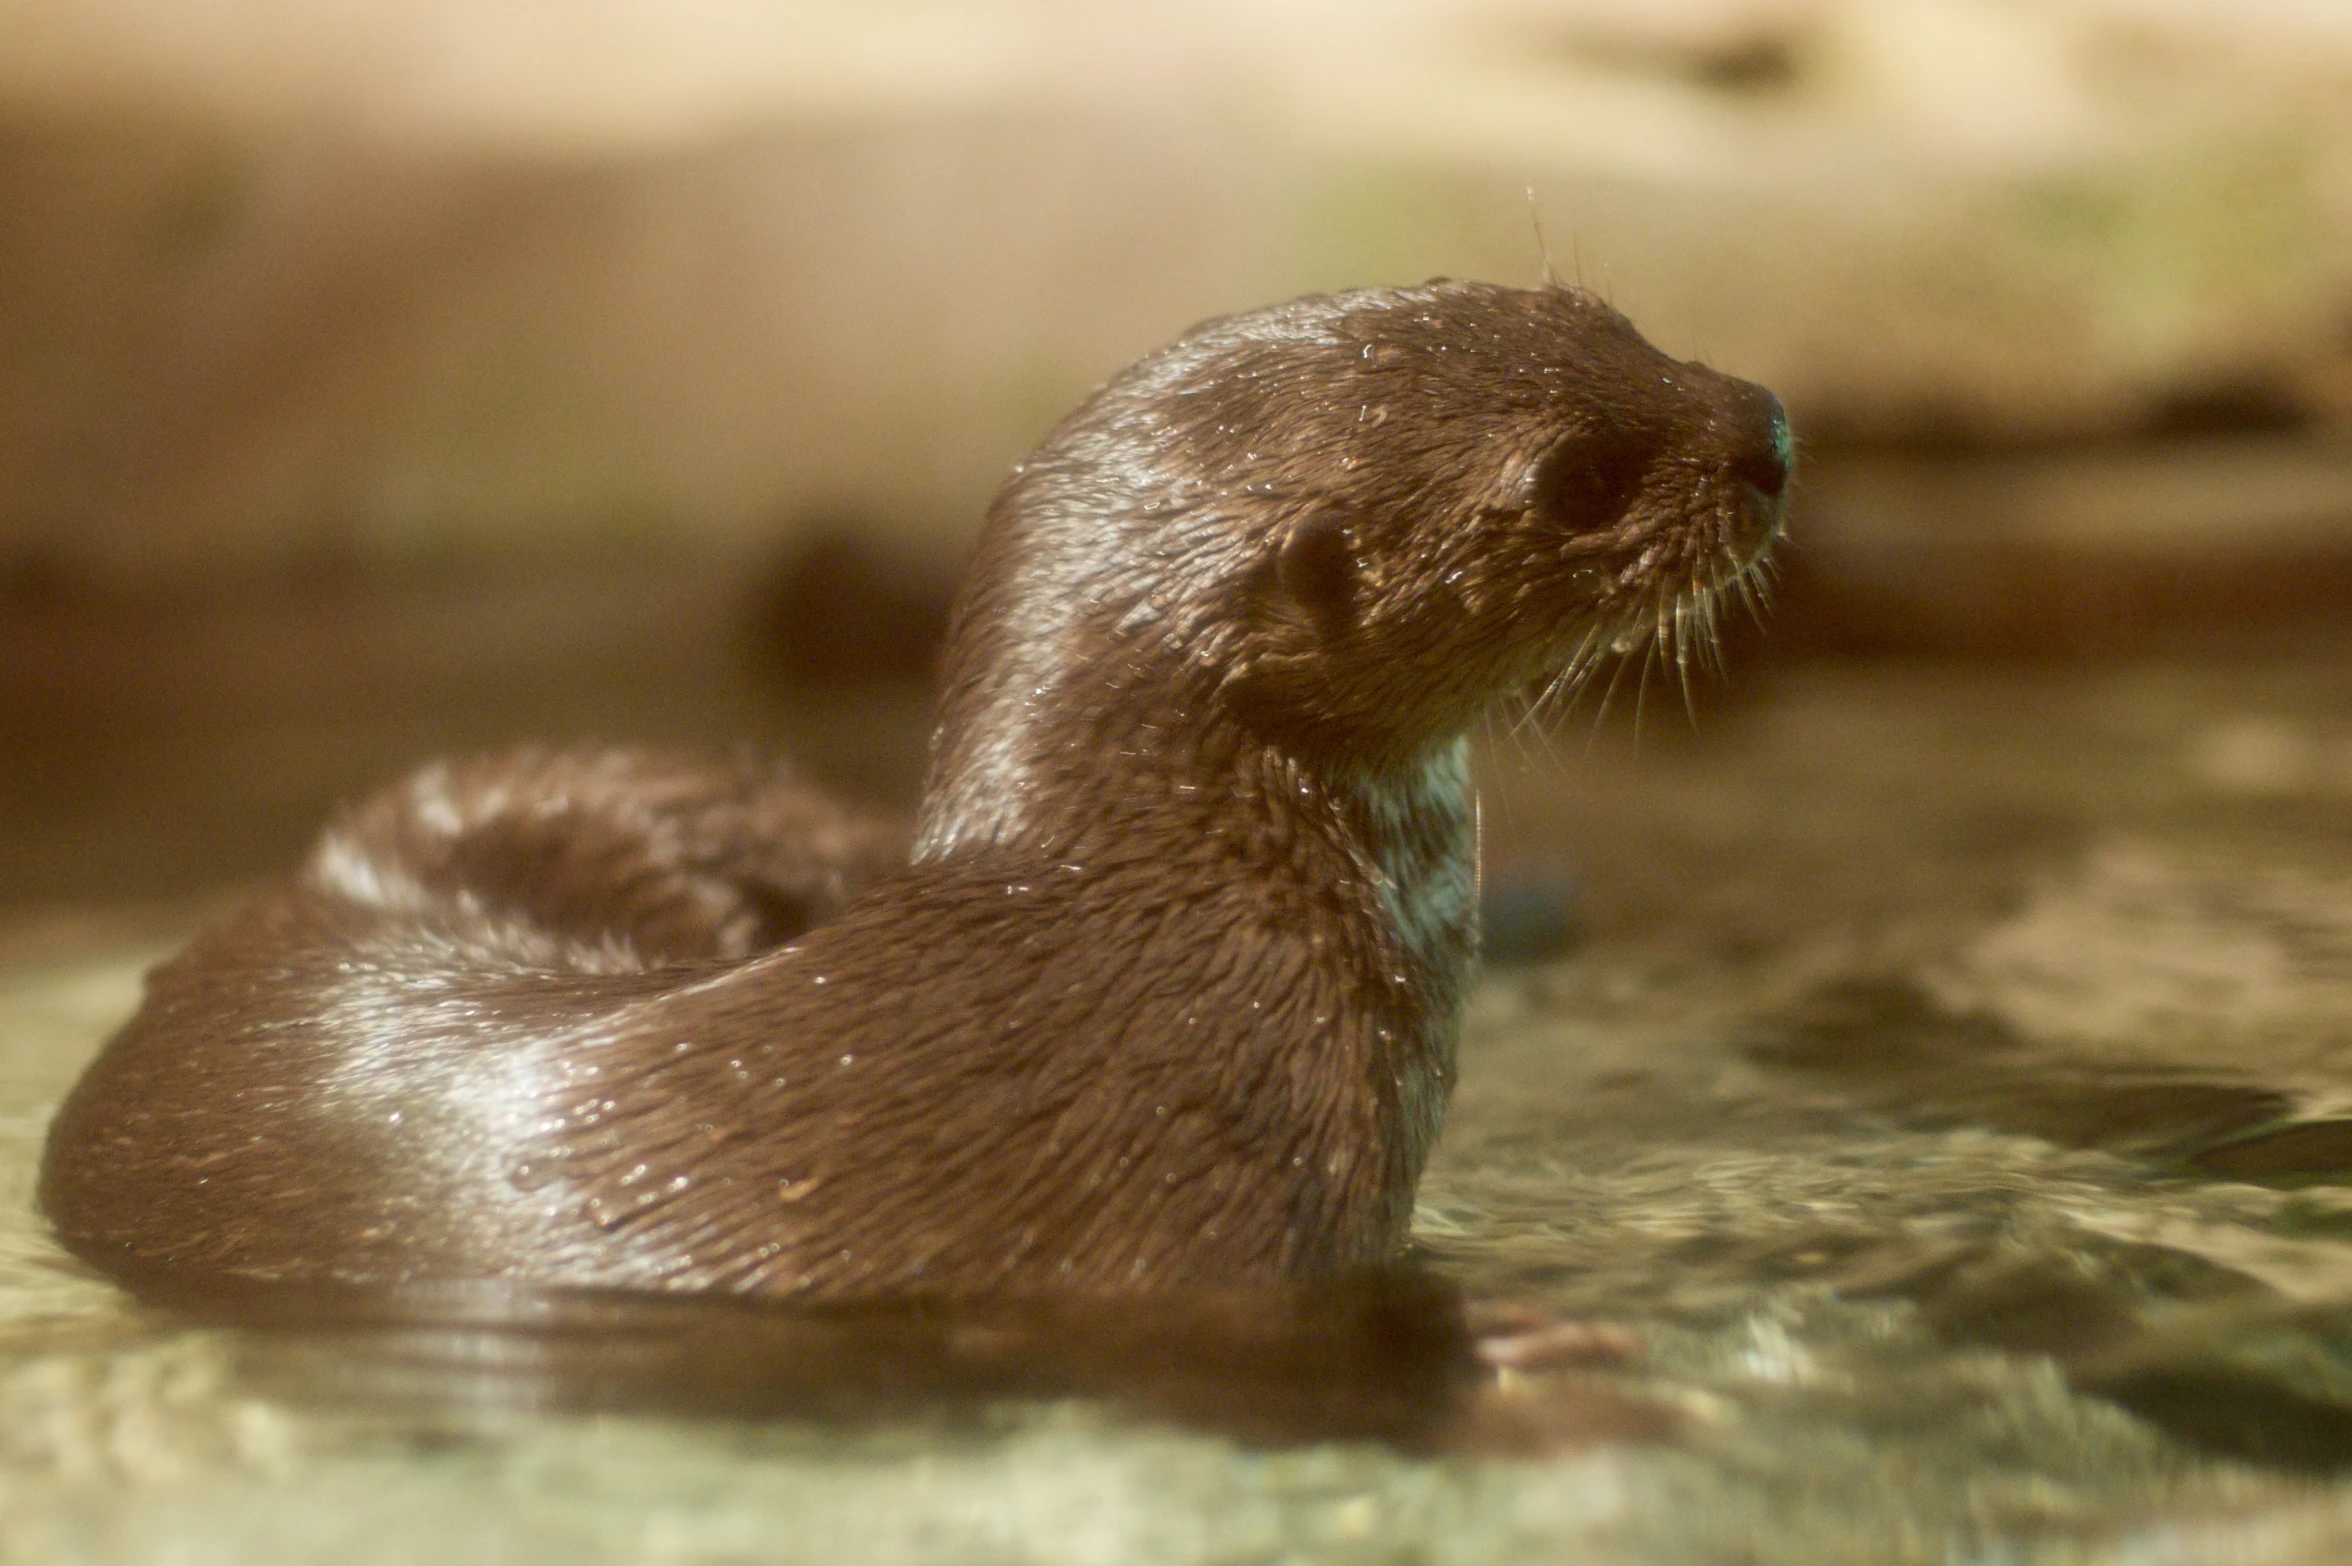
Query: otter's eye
[1316,572]
[1582,482]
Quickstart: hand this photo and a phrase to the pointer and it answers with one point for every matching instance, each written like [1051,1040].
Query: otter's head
[1350,524]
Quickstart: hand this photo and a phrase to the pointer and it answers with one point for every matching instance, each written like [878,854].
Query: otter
[1164,995]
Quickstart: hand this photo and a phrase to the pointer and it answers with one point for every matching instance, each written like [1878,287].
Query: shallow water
[1951,1086]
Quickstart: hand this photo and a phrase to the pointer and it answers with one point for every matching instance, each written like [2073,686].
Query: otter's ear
[1315,572]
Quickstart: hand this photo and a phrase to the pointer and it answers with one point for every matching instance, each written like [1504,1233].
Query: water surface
[1948,1080]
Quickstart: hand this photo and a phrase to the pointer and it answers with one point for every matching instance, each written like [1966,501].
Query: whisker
[1745,583]
[1530,733]
[1548,743]
[1569,684]
[1533,707]
[1641,689]
[1682,635]
[1711,634]
[1510,825]
[1558,698]
[1617,669]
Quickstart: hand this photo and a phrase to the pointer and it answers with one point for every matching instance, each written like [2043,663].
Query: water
[1948,1088]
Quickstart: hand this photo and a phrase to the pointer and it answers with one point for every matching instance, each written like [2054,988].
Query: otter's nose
[1762,451]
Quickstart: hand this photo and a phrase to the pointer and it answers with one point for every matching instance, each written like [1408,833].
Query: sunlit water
[1952,1088]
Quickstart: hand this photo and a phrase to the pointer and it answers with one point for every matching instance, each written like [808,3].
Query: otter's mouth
[1672,587]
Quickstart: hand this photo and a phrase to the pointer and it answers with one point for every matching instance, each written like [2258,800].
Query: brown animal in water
[1167,995]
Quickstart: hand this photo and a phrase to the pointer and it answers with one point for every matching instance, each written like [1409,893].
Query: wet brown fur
[1167,995]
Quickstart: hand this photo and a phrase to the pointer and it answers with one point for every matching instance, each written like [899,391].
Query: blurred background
[1945,1068]
[380,378]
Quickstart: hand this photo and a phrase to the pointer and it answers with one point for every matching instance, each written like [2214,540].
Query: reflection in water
[1383,1357]
[1387,1357]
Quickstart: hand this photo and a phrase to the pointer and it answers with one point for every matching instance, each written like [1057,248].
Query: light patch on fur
[1422,840]
[989,790]
[431,1068]
[985,800]
[492,942]
[341,868]
[430,801]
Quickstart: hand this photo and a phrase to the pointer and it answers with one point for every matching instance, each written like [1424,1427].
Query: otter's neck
[1084,717]
[1117,763]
